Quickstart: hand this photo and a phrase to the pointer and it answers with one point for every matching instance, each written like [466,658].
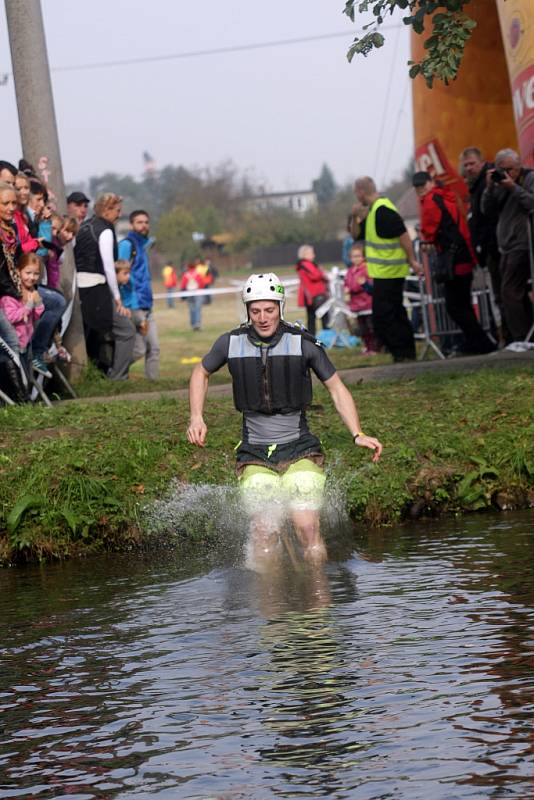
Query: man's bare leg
[260,491]
[264,545]
[306,522]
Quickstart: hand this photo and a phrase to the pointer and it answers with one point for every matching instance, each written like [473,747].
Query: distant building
[298,202]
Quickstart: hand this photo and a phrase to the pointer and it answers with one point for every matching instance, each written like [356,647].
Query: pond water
[404,669]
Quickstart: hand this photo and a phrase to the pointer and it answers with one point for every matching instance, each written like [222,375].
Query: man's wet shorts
[300,487]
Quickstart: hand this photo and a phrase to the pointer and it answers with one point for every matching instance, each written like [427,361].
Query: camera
[498,175]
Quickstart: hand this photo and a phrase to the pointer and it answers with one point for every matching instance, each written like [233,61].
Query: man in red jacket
[443,225]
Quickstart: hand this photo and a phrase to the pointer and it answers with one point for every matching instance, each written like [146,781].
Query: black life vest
[87,252]
[271,378]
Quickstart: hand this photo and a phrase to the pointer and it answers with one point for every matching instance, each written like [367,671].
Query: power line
[385,108]
[395,127]
[239,48]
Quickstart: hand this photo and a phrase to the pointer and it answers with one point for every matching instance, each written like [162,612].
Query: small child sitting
[23,313]
[360,288]
[129,296]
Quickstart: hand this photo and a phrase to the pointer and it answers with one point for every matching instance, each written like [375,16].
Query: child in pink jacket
[24,312]
[359,286]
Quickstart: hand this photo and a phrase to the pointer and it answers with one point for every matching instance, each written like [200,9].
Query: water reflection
[307,709]
[65,719]
[493,592]
[403,669]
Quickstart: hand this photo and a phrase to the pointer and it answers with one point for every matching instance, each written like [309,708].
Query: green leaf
[72,519]
[113,502]
[467,481]
[349,10]
[378,40]
[353,49]
[22,505]
[479,504]
[489,472]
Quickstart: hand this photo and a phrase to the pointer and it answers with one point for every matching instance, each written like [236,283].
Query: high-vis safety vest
[385,257]
[271,378]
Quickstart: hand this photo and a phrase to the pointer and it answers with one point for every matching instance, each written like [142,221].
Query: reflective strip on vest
[385,257]
[382,245]
[388,262]
[241,347]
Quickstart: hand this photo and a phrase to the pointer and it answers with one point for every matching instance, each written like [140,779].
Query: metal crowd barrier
[426,294]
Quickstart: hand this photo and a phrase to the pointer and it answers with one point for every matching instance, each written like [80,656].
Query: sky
[277,113]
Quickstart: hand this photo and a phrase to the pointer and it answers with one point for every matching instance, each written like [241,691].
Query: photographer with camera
[509,193]
[483,230]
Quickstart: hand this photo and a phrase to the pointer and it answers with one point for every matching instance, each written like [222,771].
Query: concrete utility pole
[38,131]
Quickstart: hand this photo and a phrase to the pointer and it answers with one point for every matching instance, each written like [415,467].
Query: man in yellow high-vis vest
[389,256]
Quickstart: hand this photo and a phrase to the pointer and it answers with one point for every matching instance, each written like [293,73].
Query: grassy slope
[75,478]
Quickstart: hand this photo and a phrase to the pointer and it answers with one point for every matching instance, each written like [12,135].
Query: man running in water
[279,461]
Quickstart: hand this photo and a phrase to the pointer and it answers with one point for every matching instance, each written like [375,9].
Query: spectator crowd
[115,286]
[113,280]
[32,239]
[493,230]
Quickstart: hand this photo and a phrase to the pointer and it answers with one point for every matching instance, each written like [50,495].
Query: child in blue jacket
[128,294]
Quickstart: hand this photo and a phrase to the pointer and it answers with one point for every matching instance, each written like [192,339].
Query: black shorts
[279,457]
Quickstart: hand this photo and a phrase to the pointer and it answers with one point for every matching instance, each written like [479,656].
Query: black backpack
[449,236]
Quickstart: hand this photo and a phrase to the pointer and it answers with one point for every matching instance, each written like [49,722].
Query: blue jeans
[8,334]
[55,304]
[195,311]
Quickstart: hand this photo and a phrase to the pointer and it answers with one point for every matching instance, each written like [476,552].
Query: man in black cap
[77,205]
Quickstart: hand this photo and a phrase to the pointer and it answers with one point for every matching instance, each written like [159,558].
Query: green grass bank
[76,478]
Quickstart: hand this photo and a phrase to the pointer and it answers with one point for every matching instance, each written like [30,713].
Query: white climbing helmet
[264,287]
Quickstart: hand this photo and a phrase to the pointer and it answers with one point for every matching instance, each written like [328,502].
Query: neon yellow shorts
[300,487]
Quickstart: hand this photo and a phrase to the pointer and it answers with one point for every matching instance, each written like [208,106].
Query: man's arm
[125,250]
[407,246]
[431,215]
[493,196]
[105,245]
[357,223]
[198,388]
[525,194]
[346,409]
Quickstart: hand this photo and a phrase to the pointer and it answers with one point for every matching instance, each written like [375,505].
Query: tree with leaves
[174,233]
[450,28]
[325,186]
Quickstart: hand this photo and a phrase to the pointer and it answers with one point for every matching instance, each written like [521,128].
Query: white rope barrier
[290,284]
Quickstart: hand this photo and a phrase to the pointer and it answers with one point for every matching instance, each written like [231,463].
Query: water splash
[214,516]
[197,514]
